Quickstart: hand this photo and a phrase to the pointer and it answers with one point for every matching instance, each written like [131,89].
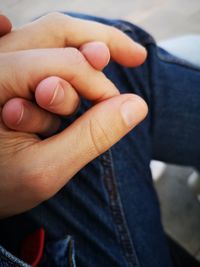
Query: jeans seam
[72,262]
[117,210]
[9,259]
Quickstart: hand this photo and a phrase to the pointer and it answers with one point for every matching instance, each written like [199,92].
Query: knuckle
[99,136]
[55,16]
[54,24]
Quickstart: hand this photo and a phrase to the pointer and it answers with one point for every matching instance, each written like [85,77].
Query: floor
[164,19]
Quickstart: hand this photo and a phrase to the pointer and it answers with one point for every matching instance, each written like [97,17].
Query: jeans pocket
[60,253]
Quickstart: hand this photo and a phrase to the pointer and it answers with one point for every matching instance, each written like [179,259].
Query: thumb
[63,155]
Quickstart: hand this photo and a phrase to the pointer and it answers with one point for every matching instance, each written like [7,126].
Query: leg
[110,208]
[177,116]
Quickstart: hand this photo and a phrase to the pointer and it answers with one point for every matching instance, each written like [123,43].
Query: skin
[6,25]
[54,30]
[32,170]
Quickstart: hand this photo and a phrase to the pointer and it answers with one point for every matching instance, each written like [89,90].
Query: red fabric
[32,247]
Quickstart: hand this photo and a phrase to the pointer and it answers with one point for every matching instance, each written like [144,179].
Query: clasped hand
[44,67]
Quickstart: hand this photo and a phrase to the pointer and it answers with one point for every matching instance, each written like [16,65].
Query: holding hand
[58,30]
[32,170]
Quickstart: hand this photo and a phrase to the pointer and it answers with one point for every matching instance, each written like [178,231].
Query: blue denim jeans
[108,215]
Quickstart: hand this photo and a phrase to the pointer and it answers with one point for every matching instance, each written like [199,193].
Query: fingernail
[21,113]
[58,95]
[130,112]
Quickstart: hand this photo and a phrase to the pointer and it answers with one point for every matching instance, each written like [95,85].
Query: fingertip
[21,115]
[136,56]
[12,112]
[57,95]
[5,25]
[125,50]
[140,54]
[97,54]
[44,92]
[134,109]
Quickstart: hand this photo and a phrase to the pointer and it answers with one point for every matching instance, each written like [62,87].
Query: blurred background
[162,18]
[178,187]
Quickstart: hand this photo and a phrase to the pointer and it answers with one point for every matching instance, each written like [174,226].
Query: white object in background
[194,183]
[186,47]
[157,169]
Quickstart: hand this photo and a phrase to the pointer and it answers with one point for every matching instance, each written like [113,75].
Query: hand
[32,170]
[57,30]
[55,95]
[54,30]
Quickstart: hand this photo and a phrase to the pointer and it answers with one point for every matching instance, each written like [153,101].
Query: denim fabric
[8,260]
[60,253]
[110,208]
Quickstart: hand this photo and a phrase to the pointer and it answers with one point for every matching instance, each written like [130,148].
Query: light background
[163,18]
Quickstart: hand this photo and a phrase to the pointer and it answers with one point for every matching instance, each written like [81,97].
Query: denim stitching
[72,262]
[10,259]
[117,210]
[7,261]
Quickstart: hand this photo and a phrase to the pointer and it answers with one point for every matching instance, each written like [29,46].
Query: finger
[58,30]
[58,96]
[41,168]
[28,68]
[97,54]
[24,116]
[89,136]
[5,25]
